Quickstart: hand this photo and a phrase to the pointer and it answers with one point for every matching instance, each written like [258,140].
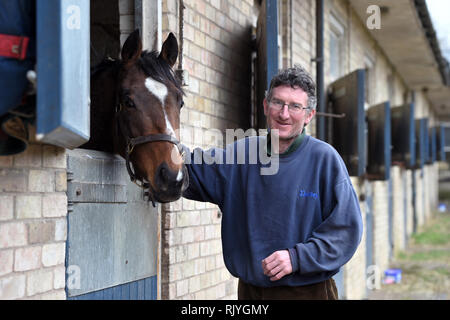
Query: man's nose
[284,112]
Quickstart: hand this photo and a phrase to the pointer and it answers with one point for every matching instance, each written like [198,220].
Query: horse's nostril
[168,179]
[163,174]
[163,180]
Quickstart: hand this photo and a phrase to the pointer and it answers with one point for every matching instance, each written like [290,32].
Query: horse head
[142,98]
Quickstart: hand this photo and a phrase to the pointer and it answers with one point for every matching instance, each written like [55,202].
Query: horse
[135,112]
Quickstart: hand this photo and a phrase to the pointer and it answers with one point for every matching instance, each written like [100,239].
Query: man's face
[288,123]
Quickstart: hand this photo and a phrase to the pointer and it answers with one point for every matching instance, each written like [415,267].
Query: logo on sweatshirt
[308,194]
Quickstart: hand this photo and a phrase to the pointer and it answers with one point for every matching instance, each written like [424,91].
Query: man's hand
[277,265]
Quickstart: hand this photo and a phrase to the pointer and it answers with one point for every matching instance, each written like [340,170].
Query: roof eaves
[424,15]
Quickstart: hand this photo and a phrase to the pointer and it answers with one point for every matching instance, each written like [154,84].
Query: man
[283,235]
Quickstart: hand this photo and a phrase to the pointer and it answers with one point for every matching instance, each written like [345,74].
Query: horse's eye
[181,104]
[129,102]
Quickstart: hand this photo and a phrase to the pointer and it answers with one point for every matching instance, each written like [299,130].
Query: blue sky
[440,15]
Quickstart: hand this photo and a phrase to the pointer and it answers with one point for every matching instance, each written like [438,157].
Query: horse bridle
[132,142]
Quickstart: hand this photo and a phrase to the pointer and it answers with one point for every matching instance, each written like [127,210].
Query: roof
[409,41]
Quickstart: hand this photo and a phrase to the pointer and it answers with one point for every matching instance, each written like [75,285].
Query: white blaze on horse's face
[179,175]
[159,90]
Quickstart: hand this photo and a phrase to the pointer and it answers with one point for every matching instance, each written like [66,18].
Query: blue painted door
[63,71]
[441,142]
[433,145]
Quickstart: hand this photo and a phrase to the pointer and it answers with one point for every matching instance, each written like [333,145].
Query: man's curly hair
[295,77]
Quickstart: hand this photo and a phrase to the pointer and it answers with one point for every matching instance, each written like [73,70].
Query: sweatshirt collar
[294,145]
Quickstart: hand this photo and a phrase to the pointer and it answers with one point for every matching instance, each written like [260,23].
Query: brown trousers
[325,290]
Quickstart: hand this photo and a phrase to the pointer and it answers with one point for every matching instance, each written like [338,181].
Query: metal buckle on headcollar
[140,183]
[130,146]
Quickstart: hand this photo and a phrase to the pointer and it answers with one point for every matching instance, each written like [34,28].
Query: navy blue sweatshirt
[308,207]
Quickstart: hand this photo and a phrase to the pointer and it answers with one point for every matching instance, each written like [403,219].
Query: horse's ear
[132,48]
[169,51]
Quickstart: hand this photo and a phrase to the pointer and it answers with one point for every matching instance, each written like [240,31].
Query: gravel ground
[425,265]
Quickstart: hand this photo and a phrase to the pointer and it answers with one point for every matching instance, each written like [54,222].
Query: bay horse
[135,112]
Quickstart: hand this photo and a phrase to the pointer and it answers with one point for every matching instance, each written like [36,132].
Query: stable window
[337,47]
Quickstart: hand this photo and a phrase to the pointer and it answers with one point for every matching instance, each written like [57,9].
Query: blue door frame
[63,71]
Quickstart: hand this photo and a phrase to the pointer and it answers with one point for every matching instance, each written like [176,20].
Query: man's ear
[310,116]
[266,107]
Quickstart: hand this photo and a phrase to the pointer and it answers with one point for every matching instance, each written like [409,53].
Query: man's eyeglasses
[278,105]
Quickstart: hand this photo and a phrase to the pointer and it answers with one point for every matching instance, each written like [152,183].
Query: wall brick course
[60,229]
[6,265]
[28,258]
[13,180]
[41,181]
[39,281]
[27,184]
[60,181]
[41,231]
[59,277]
[53,254]
[6,161]
[54,205]
[6,207]
[53,295]
[28,206]
[30,158]
[12,287]
[13,234]
[54,157]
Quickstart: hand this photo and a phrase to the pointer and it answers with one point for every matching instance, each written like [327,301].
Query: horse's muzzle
[170,184]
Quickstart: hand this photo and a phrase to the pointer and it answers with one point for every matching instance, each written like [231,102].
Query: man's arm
[203,172]
[331,245]
[335,240]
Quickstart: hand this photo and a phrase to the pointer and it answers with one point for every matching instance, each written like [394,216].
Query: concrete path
[425,265]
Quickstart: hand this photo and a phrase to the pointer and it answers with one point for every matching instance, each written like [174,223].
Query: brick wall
[380,225]
[33,228]
[303,40]
[355,269]
[211,29]
[216,55]
[398,207]
[217,33]
[419,204]
[409,203]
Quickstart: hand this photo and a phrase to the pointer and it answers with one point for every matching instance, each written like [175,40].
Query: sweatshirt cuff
[294,259]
